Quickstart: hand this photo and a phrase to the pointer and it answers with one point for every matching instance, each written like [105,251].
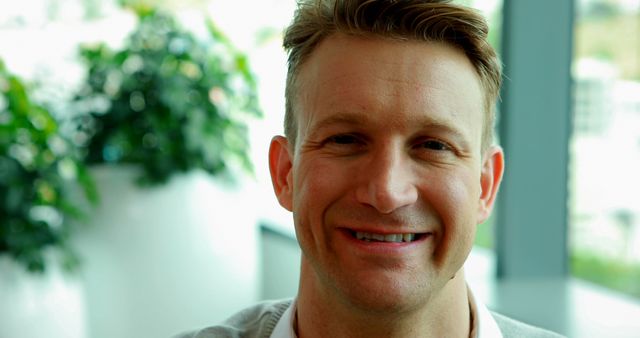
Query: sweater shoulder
[257,321]
[513,328]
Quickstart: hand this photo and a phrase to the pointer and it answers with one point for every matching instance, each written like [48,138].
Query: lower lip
[384,247]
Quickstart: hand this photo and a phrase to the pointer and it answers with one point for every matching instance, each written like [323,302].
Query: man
[388,166]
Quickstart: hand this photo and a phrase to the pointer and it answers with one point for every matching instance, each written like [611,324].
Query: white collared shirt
[484,325]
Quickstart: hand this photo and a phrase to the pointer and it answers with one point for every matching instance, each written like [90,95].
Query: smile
[391,238]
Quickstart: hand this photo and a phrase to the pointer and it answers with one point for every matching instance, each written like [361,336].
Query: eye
[344,144]
[434,145]
[343,139]
[346,139]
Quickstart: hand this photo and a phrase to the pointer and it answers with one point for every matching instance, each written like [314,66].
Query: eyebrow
[442,126]
[340,118]
[344,118]
[426,123]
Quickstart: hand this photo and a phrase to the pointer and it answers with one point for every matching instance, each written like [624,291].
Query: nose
[386,181]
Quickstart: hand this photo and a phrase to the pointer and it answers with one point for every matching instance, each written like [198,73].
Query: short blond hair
[422,20]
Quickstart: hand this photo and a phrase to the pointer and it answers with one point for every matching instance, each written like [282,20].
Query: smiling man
[388,165]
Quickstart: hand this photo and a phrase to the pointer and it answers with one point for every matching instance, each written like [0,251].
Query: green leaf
[158,117]
[30,178]
[88,185]
[17,97]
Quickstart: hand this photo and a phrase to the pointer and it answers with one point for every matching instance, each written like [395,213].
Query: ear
[490,179]
[280,164]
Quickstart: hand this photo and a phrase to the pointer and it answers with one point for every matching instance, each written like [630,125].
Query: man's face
[387,180]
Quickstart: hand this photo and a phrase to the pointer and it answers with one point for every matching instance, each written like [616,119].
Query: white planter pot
[165,259]
[35,306]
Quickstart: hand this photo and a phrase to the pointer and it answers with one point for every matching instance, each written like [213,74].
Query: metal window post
[535,126]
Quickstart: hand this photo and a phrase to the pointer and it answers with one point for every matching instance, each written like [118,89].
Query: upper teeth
[385,238]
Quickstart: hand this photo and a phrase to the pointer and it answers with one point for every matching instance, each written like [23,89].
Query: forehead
[402,79]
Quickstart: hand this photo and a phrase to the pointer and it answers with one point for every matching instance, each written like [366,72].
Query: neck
[320,314]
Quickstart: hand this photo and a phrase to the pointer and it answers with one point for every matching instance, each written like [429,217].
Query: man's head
[386,165]
[420,20]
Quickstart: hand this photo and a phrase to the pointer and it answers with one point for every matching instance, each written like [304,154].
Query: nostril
[388,199]
[387,182]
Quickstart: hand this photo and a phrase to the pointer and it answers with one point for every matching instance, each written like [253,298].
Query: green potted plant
[40,213]
[167,110]
[167,102]
[38,165]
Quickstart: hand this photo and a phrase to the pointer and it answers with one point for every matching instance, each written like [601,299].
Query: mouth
[388,238]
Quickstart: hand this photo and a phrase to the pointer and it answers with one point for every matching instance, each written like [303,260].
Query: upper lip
[387,231]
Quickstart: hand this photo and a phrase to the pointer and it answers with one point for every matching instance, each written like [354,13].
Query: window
[604,186]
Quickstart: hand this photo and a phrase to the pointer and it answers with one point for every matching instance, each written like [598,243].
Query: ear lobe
[280,164]
[490,179]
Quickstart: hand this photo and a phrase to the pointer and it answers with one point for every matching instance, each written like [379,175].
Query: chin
[387,297]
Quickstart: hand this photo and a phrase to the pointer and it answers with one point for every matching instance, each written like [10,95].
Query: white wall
[162,260]
[280,263]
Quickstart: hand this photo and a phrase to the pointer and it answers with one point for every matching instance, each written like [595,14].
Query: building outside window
[604,207]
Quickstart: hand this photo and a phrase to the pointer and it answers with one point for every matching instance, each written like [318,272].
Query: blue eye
[435,145]
[345,144]
[343,139]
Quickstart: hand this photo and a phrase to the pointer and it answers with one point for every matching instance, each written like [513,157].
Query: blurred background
[135,198]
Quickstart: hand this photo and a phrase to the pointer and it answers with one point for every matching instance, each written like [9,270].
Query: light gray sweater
[259,321]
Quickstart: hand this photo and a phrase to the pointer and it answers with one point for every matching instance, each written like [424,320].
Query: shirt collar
[484,325]
[284,327]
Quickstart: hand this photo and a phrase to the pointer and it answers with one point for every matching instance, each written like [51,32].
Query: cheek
[317,186]
[455,196]
[313,183]
[455,201]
